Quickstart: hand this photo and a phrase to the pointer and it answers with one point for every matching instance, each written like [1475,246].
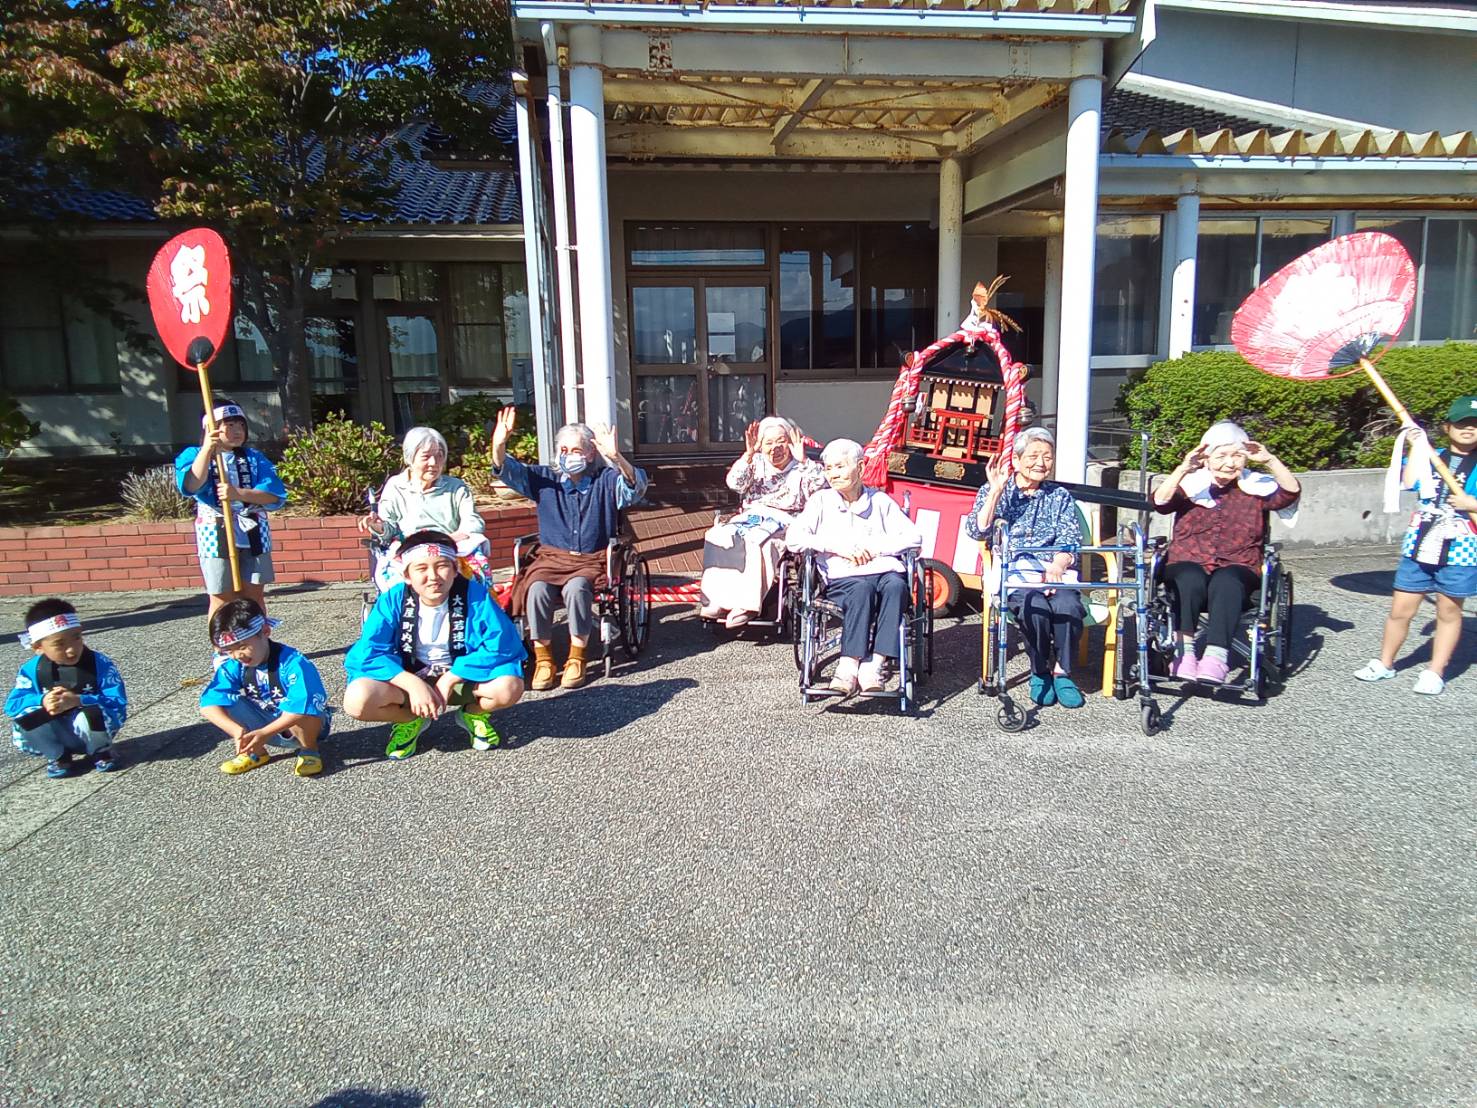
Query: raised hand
[502,427]
[605,441]
[797,443]
[751,439]
[1194,459]
[1257,454]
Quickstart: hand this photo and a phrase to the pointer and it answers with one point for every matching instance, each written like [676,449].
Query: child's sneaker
[59,767]
[308,764]
[243,763]
[105,760]
[479,726]
[1429,684]
[404,737]
[1374,670]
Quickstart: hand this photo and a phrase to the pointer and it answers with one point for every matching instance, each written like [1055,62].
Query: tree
[273,121]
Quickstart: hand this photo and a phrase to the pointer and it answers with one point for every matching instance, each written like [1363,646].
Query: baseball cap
[1463,407]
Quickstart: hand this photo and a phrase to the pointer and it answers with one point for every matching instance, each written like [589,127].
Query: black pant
[1048,623]
[878,599]
[1226,591]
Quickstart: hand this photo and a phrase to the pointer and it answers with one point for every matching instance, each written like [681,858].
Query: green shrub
[1308,424]
[327,469]
[15,428]
[152,495]
[466,423]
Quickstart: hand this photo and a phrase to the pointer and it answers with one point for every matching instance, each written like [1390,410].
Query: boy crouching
[263,693]
[433,642]
[68,699]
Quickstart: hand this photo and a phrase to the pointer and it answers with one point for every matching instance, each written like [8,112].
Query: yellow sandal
[308,764]
[242,763]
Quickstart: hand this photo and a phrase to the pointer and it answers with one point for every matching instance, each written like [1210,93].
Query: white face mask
[573,464]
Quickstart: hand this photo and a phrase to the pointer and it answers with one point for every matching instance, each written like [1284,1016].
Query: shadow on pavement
[1372,582]
[587,713]
[372,1098]
[148,614]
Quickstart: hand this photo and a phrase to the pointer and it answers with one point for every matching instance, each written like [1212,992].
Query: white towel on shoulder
[1197,487]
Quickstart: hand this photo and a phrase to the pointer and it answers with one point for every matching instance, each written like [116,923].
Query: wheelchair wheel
[1009,717]
[635,605]
[1282,623]
[1149,719]
[941,586]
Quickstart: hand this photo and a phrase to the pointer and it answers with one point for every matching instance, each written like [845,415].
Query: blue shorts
[253,717]
[1457,582]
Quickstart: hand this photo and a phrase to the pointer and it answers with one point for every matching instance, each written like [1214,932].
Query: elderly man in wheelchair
[864,548]
[579,512]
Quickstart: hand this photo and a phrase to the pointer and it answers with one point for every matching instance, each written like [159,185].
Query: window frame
[68,387]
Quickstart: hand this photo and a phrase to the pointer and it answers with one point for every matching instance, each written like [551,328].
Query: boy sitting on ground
[435,641]
[263,693]
[67,699]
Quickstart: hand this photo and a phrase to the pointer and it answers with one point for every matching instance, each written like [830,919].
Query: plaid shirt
[1230,534]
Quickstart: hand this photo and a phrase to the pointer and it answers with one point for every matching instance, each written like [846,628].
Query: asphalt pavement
[681,886]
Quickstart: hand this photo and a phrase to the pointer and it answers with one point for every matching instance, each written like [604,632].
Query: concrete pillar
[951,244]
[591,223]
[1182,284]
[1079,255]
[535,268]
[568,349]
[1051,324]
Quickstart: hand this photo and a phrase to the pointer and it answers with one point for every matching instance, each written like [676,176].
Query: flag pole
[1403,416]
[220,470]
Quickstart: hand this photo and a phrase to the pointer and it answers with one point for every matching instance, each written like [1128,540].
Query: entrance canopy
[859,81]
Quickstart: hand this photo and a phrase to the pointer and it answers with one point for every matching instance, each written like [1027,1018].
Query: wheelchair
[1263,635]
[777,615]
[1110,601]
[622,607]
[817,632]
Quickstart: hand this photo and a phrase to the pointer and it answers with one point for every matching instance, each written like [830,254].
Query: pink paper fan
[1329,308]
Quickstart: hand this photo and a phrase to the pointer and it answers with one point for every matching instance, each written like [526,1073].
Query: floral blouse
[1046,518]
[780,492]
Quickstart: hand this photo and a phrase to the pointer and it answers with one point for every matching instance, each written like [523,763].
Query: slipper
[737,618]
[1043,692]
[243,763]
[1068,695]
[308,764]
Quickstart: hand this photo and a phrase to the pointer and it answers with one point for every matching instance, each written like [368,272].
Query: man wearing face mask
[579,505]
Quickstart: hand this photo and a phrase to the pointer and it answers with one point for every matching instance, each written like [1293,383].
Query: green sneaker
[403,738]
[479,726]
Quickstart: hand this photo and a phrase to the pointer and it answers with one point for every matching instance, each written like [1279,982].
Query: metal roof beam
[1007,115]
[663,141]
[705,53]
[810,95]
[639,93]
[766,17]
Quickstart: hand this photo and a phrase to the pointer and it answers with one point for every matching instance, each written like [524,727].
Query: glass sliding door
[700,361]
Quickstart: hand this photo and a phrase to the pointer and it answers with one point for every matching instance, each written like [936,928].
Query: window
[689,245]
[1234,256]
[51,343]
[899,271]
[1125,317]
[1444,250]
[818,296]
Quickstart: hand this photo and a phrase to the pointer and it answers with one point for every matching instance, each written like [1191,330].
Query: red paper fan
[190,295]
[1328,309]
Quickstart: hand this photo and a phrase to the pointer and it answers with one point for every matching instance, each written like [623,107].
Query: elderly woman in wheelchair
[1215,556]
[859,536]
[741,555]
[1037,512]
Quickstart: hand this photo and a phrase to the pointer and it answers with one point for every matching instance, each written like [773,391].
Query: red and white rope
[905,391]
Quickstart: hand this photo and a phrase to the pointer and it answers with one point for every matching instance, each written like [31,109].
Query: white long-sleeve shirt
[832,526]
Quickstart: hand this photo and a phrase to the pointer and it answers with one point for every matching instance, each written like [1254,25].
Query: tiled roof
[1130,112]
[473,193]
[1137,123]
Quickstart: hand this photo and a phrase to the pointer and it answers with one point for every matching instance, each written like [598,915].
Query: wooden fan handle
[220,470]
[1404,416]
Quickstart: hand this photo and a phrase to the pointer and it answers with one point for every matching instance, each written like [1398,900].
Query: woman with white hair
[1037,512]
[1215,553]
[741,556]
[421,497]
[860,534]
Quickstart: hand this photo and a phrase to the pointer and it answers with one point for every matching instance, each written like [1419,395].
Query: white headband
[225,412]
[257,625]
[432,549]
[1224,433]
[46,627]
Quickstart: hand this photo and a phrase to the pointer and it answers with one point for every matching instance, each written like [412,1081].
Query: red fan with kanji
[1328,311]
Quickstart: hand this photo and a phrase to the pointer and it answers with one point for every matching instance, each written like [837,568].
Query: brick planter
[113,557]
